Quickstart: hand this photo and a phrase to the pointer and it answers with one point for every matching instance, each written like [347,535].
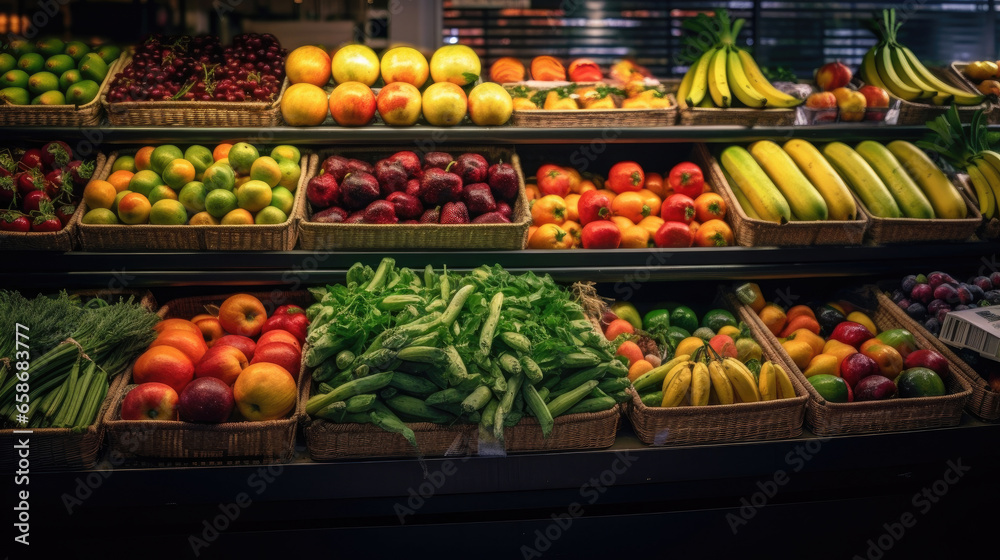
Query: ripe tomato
[601,234]
[686,178]
[550,236]
[631,205]
[553,179]
[625,176]
[593,206]
[550,209]
[714,233]
[673,234]
[709,206]
[678,208]
[654,182]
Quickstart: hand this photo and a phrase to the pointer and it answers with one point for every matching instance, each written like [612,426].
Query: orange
[618,327]
[99,194]
[238,217]
[731,331]
[631,205]
[221,151]
[773,317]
[638,368]
[800,351]
[142,158]
[175,324]
[203,219]
[572,207]
[134,208]
[631,351]
[120,179]
[634,237]
[192,344]
[651,199]
[304,105]
[163,364]
[178,173]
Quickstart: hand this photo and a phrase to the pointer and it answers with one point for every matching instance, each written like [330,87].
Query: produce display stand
[694,498]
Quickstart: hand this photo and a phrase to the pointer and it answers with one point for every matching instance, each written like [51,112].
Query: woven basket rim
[94,103]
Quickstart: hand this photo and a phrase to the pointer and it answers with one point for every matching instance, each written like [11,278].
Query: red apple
[206,399]
[399,104]
[211,329]
[821,100]
[223,362]
[856,367]
[833,75]
[279,353]
[243,343]
[877,100]
[930,359]
[279,335]
[150,401]
[242,314]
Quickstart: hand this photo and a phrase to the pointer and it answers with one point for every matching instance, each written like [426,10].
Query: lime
[163,155]
[920,382]
[99,216]
[830,387]
[684,317]
[124,162]
[718,318]
[657,320]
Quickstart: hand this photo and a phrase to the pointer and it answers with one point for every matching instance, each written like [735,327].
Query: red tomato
[673,234]
[553,179]
[686,178]
[594,206]
[625,176]
[601,234]
[678,208]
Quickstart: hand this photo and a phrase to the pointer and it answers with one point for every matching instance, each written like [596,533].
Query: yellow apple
[490,104]
[355,63]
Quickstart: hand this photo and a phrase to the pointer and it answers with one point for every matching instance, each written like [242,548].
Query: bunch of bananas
[697,381]
[726,75]
[894,68]
[984,174]
[969,148]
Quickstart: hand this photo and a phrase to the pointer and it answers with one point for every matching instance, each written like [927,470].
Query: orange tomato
[630,204]
[552,179]
[709,205]
[651,224]
[654,183]
[584,186]
[618,327]
[572,210]
[635,237]
[630,350]
[550,236]
[550,209]
[773,317]
[531,191]
[531,231]
[221,151]
[694,226]
[574,179]
[714,233]
[622,222]
[653,200]
[573,228]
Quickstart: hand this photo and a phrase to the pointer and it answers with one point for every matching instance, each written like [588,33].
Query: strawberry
[65,213]
[491,218]
[407,206]
[391,176]
[471,168]
[503,181]
[33,201]
[479,198]
[80,172]
[8,190]
[332,215]
[45,218]
[56,155]
[28,181]
[454,213]
[12,220]
[431,216]
[410,162]
[438,186]
[322,191]
[358,190]
[336,166]
[440,160]
[30,159]
[380,212]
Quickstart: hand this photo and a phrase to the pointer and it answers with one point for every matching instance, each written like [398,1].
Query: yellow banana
[906,73]
[701,384]
[942,194]
[987,201]
[740,85]
[869,72]
[774,96]
[992,177]
[741,197]
[785,388]
[699,82]
[684,89]
[718,82]
[767,383]
[674,393]
[942,99]
[894,84]
[759,189]
[744,384]
[839,202]
[961,96]
[721,387]
[673,372]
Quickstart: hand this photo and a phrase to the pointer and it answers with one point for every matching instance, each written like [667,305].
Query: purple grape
[946,292]
[909,282]
[922,293]
[917,311]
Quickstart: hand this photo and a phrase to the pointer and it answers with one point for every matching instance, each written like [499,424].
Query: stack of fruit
[401,188]
[234,358]
[843,354]
[629,209]
[443,91]
[230,185]
[893,67]
[183,68]
[677,360]
[51,72]
[798,182]
[725,75]
[984,74]
[836,100]
[40,188]
[927,298]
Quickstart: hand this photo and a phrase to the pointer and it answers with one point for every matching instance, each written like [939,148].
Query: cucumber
[764,196]
[803,198]
[412,384]
[597,404]
[654,398]
[911,200]
[864,182]
[416,408]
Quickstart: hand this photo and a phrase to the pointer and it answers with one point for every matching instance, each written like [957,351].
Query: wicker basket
[193,113]
[62,448]
[266,237]
[752,232]
[596,118]
[88,114]
[62,240]
[720,423]
[992,111]
[905,230]
[316,236]
[828,418]
[911,113]
[588,430]
[736,116]
[982,402]
[169,442]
